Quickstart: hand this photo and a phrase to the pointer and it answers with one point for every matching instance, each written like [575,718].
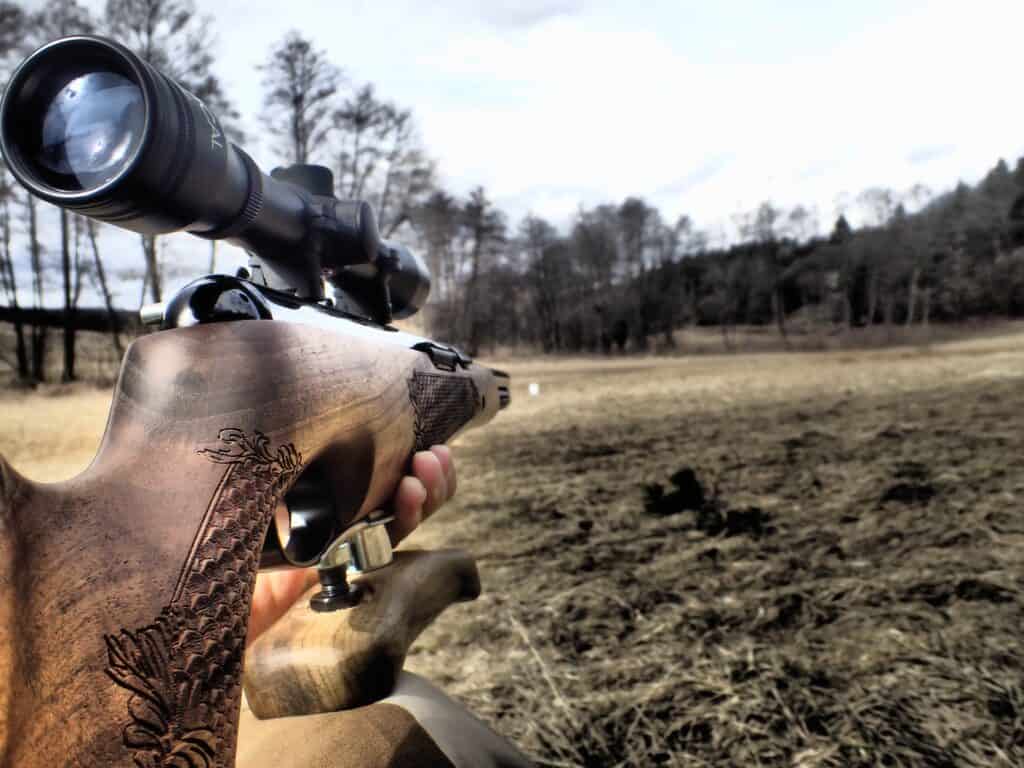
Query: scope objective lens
[90,129]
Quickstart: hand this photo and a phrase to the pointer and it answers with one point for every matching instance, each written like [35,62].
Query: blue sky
[705,109]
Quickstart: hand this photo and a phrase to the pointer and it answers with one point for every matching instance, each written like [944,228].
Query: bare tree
[60,18]
[8,277]
[12,20]
[171,36]
[880,204]
[764,220]
[692,241]
[546,262]
[299,89]
[596,238]
[104,287]
[40,333]
[15,39]
[765,223]
[174,38]
[744,223]
[665,244]
[801,223]
[595,246]
[636,221]
[379,158]
[726,281]
[407,174]
[437,222]
[360,123]
[484,228]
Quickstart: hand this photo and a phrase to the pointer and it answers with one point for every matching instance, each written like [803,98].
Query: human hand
[419,495]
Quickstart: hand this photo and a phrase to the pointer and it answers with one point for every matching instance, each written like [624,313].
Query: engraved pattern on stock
[443,404]
[184,671]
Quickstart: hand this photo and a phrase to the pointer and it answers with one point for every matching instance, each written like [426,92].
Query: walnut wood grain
[417,726]
[309,662]
[125,592]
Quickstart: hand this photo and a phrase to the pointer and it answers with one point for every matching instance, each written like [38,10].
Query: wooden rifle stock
[125,592]
[312,663]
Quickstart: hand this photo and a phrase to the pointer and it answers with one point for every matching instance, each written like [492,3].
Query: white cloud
[614,105]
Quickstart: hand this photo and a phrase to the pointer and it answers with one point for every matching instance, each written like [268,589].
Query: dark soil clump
[687,496]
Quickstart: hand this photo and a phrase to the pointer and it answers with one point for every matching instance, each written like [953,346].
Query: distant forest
[622,279]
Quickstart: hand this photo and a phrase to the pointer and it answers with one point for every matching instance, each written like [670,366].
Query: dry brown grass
[872,618]
[52,434]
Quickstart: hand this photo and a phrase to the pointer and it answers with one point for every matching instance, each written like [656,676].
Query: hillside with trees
[623,278]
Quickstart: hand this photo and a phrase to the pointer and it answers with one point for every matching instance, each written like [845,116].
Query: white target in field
[533,389]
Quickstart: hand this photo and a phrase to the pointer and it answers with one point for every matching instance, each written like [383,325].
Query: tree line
[623,277]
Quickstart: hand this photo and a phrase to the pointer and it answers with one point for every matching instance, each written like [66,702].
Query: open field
[836,581]
[861,605]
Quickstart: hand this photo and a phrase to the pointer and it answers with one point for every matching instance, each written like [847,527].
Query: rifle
[263,425]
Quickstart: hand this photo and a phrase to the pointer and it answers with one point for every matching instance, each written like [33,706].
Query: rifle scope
[87,125]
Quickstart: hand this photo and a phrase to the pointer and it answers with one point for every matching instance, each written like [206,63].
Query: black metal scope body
[87,125]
